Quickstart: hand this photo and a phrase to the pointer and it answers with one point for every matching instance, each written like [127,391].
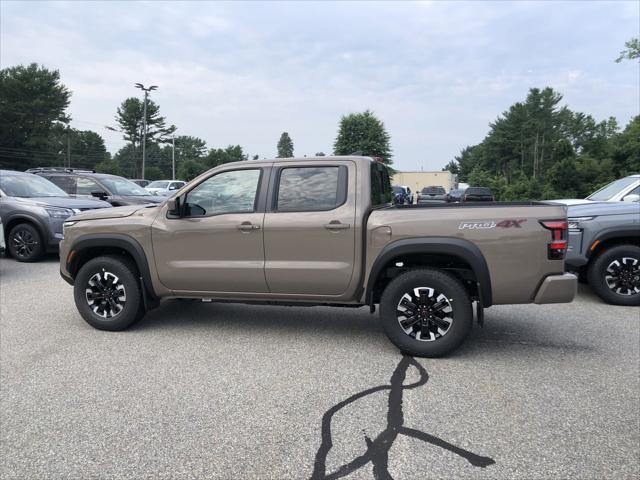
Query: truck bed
[509,235]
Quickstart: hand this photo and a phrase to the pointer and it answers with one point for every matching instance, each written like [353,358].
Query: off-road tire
[598,270]
[442,282]
[125,271]
[25,243]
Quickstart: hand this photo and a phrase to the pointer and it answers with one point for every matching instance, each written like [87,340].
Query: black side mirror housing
[99,194]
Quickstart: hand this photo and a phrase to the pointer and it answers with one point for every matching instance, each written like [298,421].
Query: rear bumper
[557,289]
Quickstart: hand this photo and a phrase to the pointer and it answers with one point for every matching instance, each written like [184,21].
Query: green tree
[77,148]
[539,149]
[109,166]
[452,167]
[631,51]
[363,132]
[218,156]
[190,169]
[285,146]
[33,101]
[625,149]
[129,118]
[188,147]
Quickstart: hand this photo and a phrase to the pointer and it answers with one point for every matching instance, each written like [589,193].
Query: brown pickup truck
[318,231]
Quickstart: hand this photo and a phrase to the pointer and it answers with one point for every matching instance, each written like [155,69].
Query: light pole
[173,157]
[144,120]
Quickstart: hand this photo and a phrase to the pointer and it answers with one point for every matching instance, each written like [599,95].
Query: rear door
[309,228]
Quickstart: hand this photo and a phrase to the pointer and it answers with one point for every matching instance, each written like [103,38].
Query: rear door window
[84,186]
[309,189]
[66,183]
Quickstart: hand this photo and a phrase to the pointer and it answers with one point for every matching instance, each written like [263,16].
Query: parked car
[3,246]
[165,187]
[432,195]
[478,194]
[604,249]
[400,195]
[294,232]
[625,189]
[455,195]
[118,191]
[33,210]
[409,194]
[141,183]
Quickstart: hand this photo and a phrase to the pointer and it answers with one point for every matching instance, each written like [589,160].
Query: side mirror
[174,207]
[632,197]
[99,194]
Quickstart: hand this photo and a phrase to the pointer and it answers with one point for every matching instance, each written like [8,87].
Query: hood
[570,201]
[115,212]
[594,209]
[65,202]
[138,199]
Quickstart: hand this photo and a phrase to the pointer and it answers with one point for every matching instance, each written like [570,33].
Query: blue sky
[241,73]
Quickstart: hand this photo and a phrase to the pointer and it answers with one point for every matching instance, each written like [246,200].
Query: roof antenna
[357,153]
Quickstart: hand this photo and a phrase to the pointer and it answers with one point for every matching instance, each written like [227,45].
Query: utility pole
[144,121]
[68,147]
[173,157]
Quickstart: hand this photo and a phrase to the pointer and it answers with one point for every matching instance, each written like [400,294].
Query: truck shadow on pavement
[377,451]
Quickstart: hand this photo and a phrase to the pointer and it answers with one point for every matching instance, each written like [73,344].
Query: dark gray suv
[118,191]
[32,211]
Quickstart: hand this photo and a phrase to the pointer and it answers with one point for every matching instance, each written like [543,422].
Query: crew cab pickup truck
[318,231]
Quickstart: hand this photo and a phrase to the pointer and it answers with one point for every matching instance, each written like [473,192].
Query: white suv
[164,187]
[626,189]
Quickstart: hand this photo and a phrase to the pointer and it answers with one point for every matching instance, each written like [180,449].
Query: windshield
[398,190]
[124,187]
[605,193]
[158,184]
[29,186]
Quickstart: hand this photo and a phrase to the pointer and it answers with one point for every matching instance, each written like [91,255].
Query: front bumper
[557,289]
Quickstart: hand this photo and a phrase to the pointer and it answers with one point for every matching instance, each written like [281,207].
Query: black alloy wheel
[25,243]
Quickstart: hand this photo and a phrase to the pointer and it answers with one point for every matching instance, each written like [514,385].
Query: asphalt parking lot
[226,391]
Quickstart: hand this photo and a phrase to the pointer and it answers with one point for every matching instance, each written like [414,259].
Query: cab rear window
[381,192]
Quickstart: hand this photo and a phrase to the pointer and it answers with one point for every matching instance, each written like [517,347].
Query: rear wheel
[107,293]
[25,243]
[615,275]
[426,313]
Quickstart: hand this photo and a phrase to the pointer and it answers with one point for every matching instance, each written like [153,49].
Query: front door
[309,230]
[217,245]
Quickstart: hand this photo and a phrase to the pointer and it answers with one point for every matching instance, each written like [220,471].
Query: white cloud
[436,73]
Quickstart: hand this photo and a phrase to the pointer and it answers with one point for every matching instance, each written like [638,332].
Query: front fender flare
[116,240]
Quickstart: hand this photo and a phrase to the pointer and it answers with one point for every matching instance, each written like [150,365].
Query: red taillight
[558,246]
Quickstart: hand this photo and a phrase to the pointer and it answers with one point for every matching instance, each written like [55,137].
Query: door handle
[248,226]
[336,225]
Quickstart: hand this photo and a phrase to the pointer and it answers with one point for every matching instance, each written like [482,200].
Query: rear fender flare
[463,249]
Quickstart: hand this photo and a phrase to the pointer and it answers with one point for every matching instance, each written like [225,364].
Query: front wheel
[426,313]
[25,243]
[615,275]
[107,293]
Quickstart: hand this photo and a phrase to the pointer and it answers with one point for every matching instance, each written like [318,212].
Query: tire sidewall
[37,252]
[125,271]
[597,272]
[441,281]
